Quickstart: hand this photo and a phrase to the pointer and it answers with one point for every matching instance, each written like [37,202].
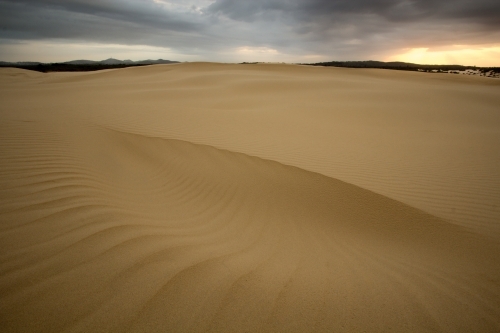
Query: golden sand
[205,197]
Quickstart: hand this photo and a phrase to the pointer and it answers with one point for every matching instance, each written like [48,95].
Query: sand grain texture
[249,198]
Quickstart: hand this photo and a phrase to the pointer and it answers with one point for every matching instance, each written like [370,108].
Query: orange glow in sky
[456,55]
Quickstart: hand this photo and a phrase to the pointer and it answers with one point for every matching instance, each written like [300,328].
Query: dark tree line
[402,66]
[61,67]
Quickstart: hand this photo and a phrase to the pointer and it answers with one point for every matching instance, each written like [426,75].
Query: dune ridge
[335,121]
[134,225]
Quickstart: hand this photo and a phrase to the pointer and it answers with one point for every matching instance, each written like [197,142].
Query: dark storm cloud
[340,28]
[479,11]
[326,13]
[93,19]
[359,27]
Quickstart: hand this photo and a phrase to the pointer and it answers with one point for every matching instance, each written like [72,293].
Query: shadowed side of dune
[123,232]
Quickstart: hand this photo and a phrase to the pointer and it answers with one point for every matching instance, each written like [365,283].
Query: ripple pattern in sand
[122,232]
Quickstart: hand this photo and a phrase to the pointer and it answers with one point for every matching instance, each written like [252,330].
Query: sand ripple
[104,230]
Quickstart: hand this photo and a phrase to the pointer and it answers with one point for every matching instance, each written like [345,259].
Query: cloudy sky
[422,31]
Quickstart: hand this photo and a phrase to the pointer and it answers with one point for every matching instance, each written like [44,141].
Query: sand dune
[245,198]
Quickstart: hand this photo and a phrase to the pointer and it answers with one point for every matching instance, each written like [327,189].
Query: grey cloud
[120,22]
[361,26]
[250,10]
[339,28]
[392,10]
[320,15]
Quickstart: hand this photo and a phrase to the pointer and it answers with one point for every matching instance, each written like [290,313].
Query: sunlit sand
[204,197]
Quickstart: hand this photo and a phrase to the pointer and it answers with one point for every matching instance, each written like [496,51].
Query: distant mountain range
[110,61]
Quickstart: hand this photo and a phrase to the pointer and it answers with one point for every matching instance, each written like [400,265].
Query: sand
[203,197]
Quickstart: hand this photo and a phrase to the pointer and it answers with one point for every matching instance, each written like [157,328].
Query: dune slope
[112,227]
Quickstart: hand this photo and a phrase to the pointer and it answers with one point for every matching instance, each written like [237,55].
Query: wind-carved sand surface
[249,198]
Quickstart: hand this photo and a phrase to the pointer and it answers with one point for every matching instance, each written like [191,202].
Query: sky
[463,32]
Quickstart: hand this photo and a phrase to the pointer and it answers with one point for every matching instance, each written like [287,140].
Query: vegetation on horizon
[61,67]
[403,66]
[86,66]
[82,65]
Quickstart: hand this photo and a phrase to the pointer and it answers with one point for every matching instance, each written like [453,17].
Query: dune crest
[129,226]
[339,122]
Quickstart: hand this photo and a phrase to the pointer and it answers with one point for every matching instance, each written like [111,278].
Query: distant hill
[82,65]
[492,72]
[155,62]
[395,65]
